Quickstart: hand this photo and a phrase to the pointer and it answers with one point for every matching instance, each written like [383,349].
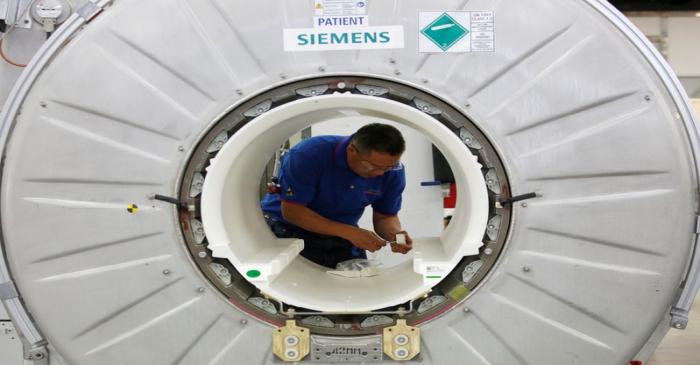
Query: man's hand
[366,240]
[402,248]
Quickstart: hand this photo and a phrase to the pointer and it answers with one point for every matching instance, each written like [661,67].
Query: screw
[239,91]
[468,105]
[524,205]
[488,251]
[260,110]
[42,104]
[397,72]
[526,269]
[370,91]
[491,226]
[647,97]
[200,289]
[202,254]
[283,76]
[425,81]
[321,68]
[166,272]
[489,182]
[180,148]
[392,61]
[244,321]
[466,310]
[425,108]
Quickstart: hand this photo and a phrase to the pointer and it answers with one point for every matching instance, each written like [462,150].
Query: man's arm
[301,216]
[387,226]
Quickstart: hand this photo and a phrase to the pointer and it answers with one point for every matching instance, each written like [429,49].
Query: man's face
[371,164]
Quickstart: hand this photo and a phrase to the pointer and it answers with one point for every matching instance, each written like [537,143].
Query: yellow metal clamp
[401,342]
[291,343]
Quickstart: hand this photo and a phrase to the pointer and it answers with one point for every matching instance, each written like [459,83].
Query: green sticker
[253,273]
[433,277]
[444,31]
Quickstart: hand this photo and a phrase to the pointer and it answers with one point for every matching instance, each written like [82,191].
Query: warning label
[340,13]
[456,32]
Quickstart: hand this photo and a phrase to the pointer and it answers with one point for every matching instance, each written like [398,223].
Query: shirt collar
[340,153]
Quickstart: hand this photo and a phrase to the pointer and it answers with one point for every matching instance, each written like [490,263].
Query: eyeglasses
[372,167]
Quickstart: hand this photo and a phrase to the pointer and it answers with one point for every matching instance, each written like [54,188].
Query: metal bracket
[401,342]
[681,310]
[8,291]
[291,343]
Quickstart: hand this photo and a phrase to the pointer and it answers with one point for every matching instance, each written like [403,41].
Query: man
[325,184]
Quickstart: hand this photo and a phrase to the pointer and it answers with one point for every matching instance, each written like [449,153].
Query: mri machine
[134,142]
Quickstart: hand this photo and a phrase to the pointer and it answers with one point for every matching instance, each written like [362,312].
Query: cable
[12,26]
[4,58]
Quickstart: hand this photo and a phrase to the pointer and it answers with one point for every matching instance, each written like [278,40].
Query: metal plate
[364,349]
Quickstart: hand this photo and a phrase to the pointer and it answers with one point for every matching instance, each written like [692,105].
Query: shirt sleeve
[390,201]
[299,176]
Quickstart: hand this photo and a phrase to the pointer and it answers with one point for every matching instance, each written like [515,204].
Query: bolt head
[244,321]
[180,148]
[166,272]
[202,254]
[524,205]
[488,251]
[526,269]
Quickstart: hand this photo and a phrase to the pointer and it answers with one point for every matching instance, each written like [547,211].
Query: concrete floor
[681,347]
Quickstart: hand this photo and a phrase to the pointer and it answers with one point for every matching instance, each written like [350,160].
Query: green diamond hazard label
[444,31]
[456,31]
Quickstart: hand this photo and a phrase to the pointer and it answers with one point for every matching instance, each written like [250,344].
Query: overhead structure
[135,141]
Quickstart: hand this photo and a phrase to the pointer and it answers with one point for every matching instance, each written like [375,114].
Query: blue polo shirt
[315,173]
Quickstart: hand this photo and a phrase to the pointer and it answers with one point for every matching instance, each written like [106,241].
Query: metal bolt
[392,61]
[678,325]
[42,104]
[425,81]
[341,85]
[244,321]
[202,254]
[200,289]
[397,72]
[468,105]
[647,97]
[488,251]
[491,226]
[426,108]
[370,91]
[180,148]
[321,68]
[524,205]
[489,182]
[283,76]
[466,310]
[313,92]
[166,272]
[526,269]
[239,91]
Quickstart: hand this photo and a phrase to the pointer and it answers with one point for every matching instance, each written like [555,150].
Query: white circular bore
[401,340]
[236,230]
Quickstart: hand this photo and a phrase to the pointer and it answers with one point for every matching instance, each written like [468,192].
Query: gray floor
[681,347]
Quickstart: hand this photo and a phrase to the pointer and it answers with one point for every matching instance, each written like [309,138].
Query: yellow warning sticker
[132,208]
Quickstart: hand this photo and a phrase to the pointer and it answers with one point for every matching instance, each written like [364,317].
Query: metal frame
[34,342]
[691,286]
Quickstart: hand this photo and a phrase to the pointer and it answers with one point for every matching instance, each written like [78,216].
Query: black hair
[379,138]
